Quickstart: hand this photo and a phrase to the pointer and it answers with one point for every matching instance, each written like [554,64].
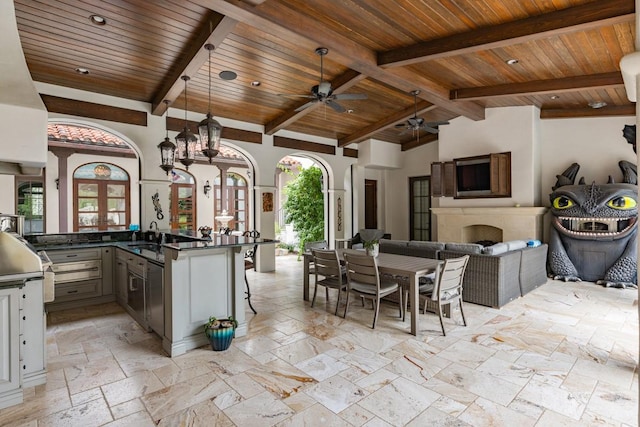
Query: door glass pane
[88,190]
[87,219]
[88,205]
[116,190]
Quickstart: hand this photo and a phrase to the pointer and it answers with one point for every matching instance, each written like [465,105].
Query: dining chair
[249,263]
[364,280]
[308,246]
[446,288]
[328,273]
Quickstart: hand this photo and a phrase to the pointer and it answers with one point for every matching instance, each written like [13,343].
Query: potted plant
[371,240]
[220,332]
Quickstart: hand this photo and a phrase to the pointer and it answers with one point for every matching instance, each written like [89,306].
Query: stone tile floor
[564,355]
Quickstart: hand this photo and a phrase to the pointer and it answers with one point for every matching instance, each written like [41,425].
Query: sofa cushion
[516,244]
[436,246]
[467,248]
[498,248]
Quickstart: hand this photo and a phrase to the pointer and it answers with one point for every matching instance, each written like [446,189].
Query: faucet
[152,224]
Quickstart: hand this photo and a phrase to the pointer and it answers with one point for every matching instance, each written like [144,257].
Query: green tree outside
[305,205]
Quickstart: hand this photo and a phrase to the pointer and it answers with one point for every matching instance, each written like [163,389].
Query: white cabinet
[10,391]
[32,331]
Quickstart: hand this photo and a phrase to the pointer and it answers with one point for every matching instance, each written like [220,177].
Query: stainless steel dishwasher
[155,297]
[136,292]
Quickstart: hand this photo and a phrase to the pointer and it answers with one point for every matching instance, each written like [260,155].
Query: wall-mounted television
[473,177]
[483,176]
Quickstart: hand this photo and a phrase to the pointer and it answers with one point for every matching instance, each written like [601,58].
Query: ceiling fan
[323,92]
[415,124]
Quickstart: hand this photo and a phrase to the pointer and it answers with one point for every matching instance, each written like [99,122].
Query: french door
[100,205]
[183,209]
[420,208]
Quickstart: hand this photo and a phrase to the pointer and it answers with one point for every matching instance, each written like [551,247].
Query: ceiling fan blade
[337,107]
[350,96]
[401,126]
[433,124]
[429,129]
[324,89]
[307,105]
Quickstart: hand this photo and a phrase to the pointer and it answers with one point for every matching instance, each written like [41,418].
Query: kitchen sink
[148,246]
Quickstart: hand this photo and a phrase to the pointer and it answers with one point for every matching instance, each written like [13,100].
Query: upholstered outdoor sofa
[501,274]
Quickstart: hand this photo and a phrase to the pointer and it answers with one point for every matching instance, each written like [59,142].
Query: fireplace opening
[482,233]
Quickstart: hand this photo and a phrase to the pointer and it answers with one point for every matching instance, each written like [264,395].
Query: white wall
[504,129]
[596,144]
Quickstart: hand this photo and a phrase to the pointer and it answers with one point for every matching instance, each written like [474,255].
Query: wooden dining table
[397,265]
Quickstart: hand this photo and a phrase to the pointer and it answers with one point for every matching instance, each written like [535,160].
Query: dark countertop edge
[17,280]
[176,246]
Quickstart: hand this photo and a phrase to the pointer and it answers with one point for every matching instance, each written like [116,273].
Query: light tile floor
[564,355]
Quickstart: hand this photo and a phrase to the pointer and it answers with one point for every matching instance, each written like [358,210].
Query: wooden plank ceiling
[566,53]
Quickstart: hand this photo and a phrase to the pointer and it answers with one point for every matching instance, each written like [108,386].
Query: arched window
[101,198]
[236,197]
[183,200]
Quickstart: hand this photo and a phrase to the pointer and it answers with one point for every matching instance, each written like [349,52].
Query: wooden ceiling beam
[340,84]
[568,113]
[567,84]
[281,21]
[578,18]
[419,142]
[368,131]
[215,29]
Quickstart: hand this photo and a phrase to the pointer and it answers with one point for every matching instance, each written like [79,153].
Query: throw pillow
[498,248]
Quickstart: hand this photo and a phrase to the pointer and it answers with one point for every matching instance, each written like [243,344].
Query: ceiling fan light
[210,131]
[324,89]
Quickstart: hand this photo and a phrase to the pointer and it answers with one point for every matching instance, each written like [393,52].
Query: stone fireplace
[500,224]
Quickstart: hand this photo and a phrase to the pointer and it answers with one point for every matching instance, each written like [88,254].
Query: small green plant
[215,323]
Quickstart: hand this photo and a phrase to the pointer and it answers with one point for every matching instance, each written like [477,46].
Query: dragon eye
[562,202]
[622,202]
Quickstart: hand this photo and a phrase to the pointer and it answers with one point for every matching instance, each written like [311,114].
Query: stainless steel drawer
[75,271]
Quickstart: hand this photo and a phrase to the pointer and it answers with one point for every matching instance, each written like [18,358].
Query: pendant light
[186,140]
[209,129]
[167,148]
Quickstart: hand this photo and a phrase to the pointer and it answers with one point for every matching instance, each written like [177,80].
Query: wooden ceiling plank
[215,30]
[369,131]
[568,84]
[587,16]
[278,19]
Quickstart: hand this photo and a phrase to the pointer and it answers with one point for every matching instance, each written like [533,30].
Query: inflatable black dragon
[593,234]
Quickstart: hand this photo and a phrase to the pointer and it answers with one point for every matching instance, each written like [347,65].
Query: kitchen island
[195,279]
[203,279]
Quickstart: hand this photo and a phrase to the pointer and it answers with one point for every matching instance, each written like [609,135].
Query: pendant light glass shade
[209,129]
[167,148]
[186,140]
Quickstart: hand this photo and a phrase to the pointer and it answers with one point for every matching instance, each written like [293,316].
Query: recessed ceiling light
[98,20]
[597,104]
[511,61]
[255,83]
[555,97]
[349,111]
[81,70]
[227,75]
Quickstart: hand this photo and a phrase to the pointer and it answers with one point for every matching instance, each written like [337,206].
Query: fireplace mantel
[515,222]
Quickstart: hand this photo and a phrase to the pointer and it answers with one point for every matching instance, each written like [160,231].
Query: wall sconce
[207,188]
[57,184]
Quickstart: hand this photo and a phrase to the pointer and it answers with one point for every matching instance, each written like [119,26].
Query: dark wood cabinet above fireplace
[473,177]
